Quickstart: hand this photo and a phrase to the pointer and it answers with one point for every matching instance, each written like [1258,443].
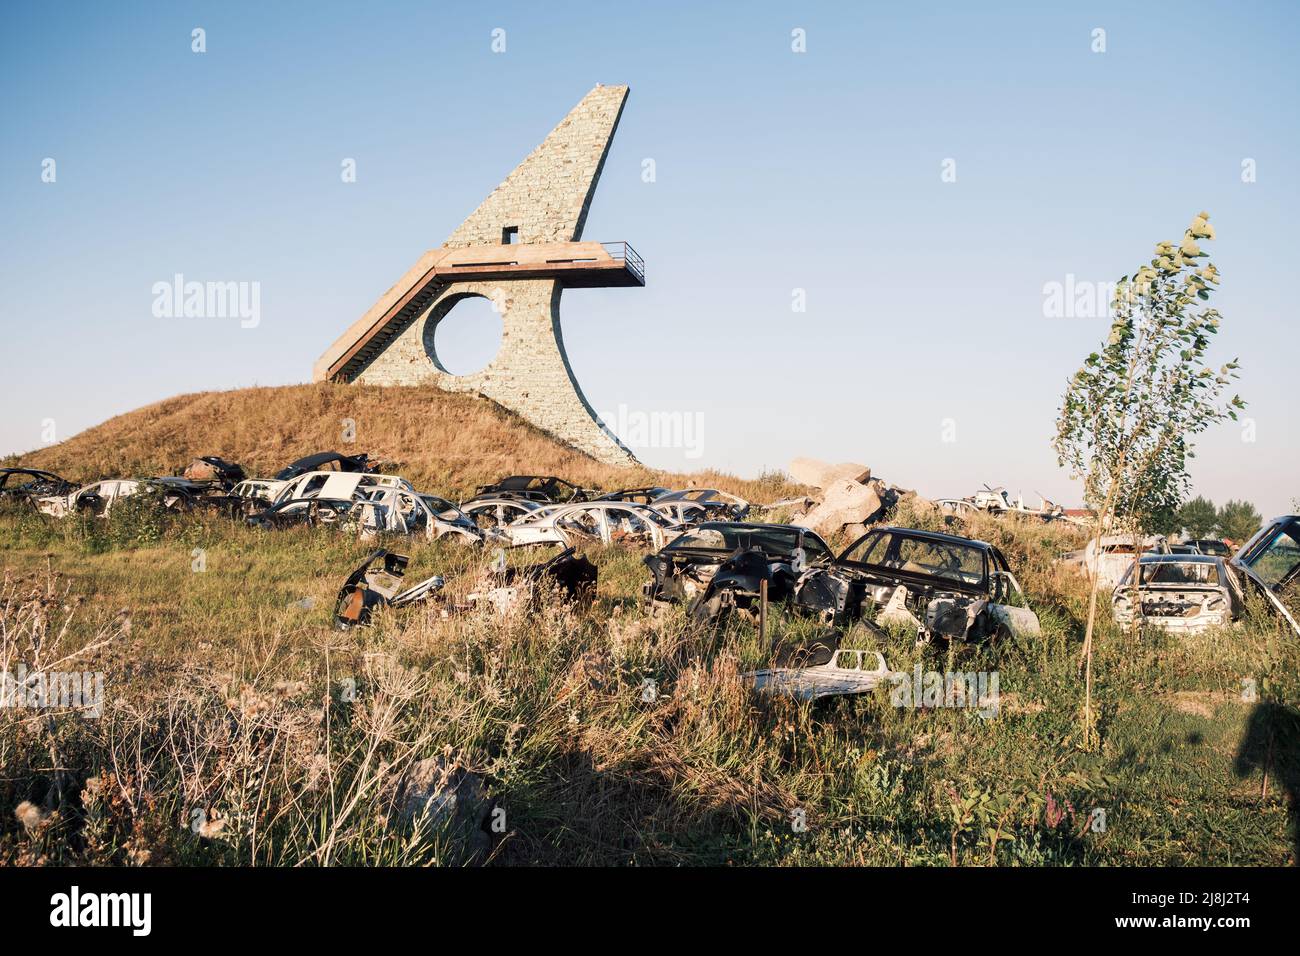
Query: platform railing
[630,258]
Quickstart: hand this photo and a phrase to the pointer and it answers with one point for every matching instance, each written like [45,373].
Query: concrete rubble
[850,497]
[439,792]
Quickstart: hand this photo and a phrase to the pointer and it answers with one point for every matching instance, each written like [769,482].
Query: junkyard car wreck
[944,586]
[377,583]
[1178,592]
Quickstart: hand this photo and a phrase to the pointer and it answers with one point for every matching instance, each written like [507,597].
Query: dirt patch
[1198,703]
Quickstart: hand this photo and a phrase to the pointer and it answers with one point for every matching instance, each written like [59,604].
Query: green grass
[225,696]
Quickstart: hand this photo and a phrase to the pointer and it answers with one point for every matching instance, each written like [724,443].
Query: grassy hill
[443,442]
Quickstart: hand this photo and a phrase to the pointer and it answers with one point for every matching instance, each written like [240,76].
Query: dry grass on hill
[443,442]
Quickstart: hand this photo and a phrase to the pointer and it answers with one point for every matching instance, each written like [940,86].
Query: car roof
[1181,559]
[313,462]
[754,525]
[933,536]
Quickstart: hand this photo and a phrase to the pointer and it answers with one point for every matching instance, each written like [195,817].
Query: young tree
[1198,517]
[1128,414]
[1238,520]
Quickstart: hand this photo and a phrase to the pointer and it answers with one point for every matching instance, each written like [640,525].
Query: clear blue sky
[775,171]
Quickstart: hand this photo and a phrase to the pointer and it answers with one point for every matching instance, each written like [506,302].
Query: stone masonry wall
[548,194]
[530,374]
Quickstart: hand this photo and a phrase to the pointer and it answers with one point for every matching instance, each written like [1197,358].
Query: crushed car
[607,522]
[540,488]
[504,588]
[325,461]
[1270,561]
[1186,593]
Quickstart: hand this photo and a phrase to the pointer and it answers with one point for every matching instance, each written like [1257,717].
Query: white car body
[257,489]
[1107,560]
[342,485]
[1179,593]
[398,511]
[498,512]
[394,510]
[610,522]
[109,491]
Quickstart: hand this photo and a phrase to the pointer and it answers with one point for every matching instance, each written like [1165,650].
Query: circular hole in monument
[468,337]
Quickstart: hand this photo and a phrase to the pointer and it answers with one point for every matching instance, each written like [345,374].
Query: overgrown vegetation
[239,727]
[1131,413]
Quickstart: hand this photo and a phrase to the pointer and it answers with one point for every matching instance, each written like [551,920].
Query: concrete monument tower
[521,248]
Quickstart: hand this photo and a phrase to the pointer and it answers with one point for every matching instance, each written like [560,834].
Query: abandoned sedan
[1178,592]
[609,522]
[98,498]
[947,587]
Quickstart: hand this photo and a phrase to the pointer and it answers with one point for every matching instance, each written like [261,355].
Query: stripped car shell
[723,565]
[641,496]
[545,489]
[253,493]
[505,589]
[99,497]
[32,483]
[489,513]
[324,461]
[353,486]
[945,586]
[1211,546]
[723,505]
[312,512]
[692,513]
[373,509]
[1187,593]
[1108,558]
